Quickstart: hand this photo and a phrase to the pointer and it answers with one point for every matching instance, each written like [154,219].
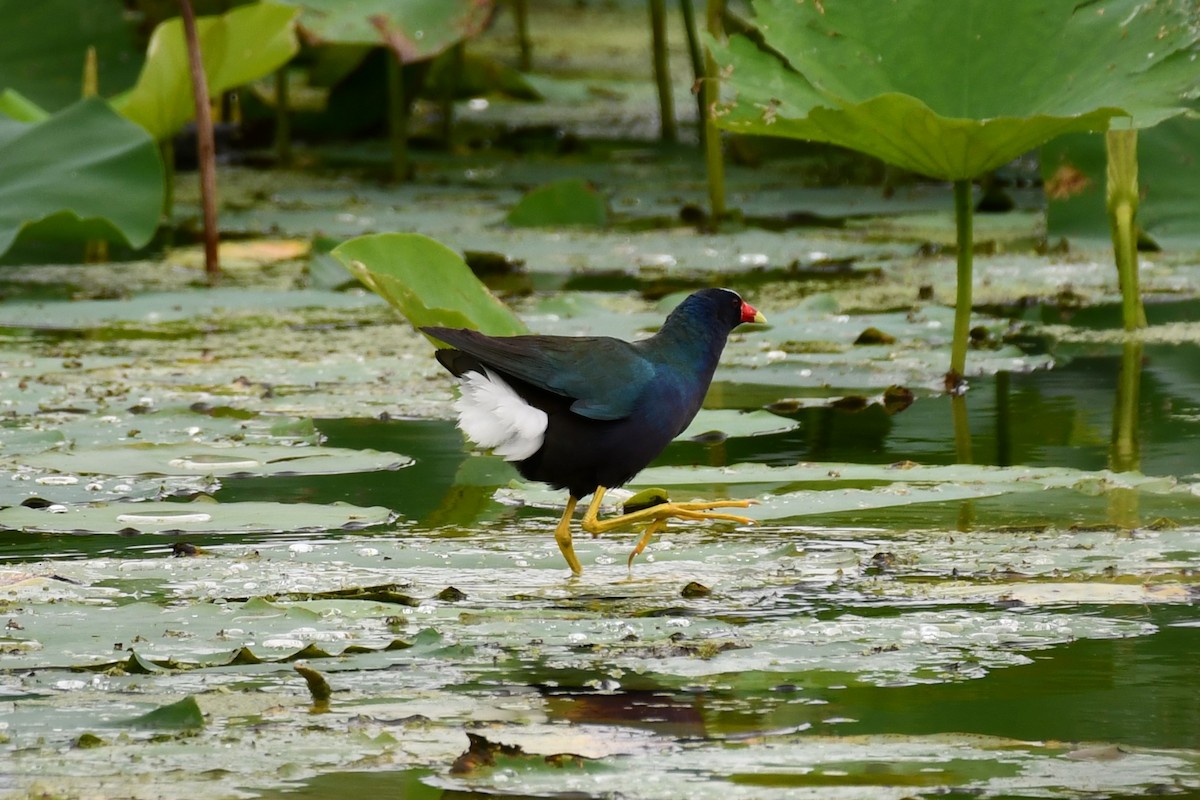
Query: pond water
[201,489]
[1025,626]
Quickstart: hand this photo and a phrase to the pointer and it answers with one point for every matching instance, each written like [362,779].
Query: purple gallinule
[587,413]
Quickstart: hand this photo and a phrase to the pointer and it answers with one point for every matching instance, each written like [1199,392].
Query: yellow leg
[562,535]
[664,511]
[651,529]
[657,516]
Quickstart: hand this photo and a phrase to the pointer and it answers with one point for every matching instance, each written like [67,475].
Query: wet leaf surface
[897,624]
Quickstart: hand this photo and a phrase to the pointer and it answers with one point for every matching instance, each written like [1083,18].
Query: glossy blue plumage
[612,406]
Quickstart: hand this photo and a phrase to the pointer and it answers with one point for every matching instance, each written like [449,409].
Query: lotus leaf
[215,460]
[418,29]
[83,174]
[874,78]
[237,47]
[42,53]
[427,282]
[152,517]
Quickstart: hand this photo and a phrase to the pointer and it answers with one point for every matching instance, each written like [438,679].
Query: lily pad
[150,517]
[564,203]
[725,423]
[229,461]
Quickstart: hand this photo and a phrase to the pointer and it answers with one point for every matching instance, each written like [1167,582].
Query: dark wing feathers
[604,376]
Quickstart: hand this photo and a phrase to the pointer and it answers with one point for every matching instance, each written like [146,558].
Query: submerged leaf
[564,203]
[183,715]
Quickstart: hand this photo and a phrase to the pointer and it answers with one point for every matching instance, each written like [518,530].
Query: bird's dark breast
[579,453]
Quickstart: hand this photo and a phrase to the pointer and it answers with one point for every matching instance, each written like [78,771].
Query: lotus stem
[283,120]
[963,217]
[205,146]
[710,94]
[397,118]
[696,53]
[662,70]
[457,55]
[166,150]
[1122,200]
[524,43]
[95,251]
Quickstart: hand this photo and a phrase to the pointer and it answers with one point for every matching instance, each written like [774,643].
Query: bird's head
[723,305]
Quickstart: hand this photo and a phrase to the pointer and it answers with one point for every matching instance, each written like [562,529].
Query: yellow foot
[562,535]
[656,516]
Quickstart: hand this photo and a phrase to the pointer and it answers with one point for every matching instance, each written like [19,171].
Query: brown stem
[206,148]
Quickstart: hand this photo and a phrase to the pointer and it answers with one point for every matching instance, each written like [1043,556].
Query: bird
[587,413]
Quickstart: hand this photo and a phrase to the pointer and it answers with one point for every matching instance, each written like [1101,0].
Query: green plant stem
[283,120]
[524,43]
[710,93]
[662,70]
[696,53]
[166,149]
[1122,200]
[95,251]
[205,146]
[457,55]
[397,112]
[963,217]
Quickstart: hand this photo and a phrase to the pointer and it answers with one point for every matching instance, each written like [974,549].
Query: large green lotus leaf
[238,47]
[152,517]
[427,282]
[417,29]
[875,78]
[44,44]
[1074,170]
[217,461]
[84,173]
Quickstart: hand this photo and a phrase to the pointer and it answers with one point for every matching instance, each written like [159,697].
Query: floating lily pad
[157,309]
[25,485]
[565,202]
[150,517]
[194,459]
[723,423]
